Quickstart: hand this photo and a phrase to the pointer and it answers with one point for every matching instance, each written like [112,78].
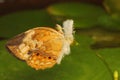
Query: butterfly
[42,47]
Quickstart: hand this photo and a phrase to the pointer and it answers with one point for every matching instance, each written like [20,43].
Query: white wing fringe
[68,34]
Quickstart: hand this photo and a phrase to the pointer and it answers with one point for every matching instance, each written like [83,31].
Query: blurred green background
[97,32]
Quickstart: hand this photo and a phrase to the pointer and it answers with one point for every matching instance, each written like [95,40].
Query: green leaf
[84,15]
[111,57]
[15,23]
[81,64]
[110,22]
[112,6]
